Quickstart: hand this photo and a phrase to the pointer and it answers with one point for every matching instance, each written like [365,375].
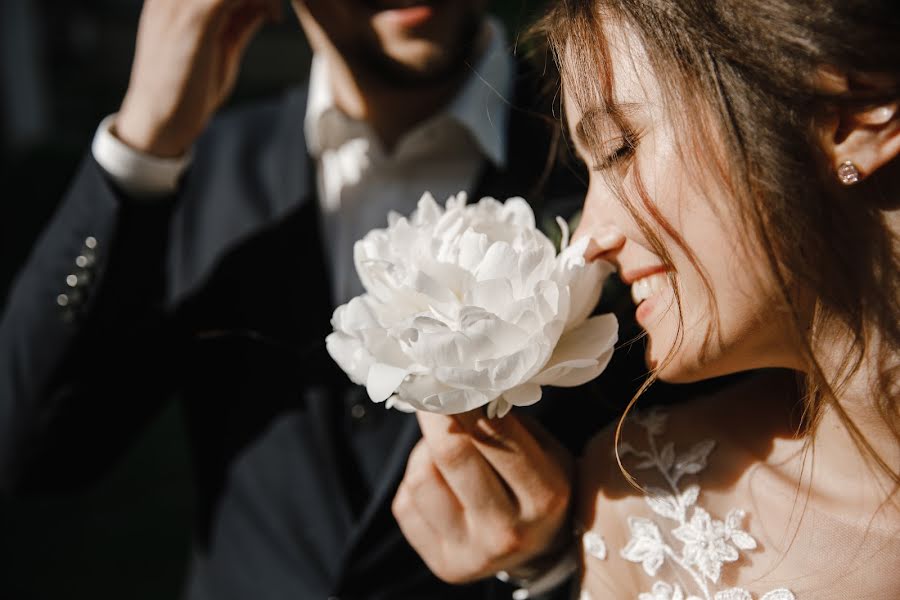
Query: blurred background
[63,67]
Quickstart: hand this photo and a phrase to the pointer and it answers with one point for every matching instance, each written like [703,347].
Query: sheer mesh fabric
[729,512]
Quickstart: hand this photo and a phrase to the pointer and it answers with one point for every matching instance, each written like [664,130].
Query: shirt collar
[480,107]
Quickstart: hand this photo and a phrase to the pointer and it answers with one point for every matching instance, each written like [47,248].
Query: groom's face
[402,43]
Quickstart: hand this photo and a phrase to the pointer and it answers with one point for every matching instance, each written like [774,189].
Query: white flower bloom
[470,305]
[594,545]
[706,543]
[645,546]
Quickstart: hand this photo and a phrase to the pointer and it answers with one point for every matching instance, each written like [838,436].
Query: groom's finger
[431,496]
[536,475]
[463,466]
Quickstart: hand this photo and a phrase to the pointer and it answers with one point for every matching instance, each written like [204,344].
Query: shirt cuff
[556,575]
[138,174]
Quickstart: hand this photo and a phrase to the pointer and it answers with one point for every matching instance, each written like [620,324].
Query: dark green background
[128,536]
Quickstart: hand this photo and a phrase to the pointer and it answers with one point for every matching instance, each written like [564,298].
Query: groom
[203,262]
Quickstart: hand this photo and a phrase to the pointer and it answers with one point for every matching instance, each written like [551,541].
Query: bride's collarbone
[743,459]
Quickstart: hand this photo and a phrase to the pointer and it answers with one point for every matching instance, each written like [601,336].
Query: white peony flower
[470,306]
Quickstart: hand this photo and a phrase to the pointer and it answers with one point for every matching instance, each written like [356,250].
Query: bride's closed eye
[621,149]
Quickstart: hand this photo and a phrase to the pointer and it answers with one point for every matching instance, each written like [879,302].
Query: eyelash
[620,154]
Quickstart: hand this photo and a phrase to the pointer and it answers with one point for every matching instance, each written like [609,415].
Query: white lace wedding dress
[680,550]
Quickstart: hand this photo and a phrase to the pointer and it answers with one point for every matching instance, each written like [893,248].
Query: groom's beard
[373,66]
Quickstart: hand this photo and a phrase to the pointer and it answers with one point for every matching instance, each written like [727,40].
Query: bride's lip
[632,275]
[644,310]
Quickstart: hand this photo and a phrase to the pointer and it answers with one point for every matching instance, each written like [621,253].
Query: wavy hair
[743,80]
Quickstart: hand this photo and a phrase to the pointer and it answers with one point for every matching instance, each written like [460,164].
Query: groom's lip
[631,275]
[408,14]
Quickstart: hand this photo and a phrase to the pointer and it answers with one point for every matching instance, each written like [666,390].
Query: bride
[744,181]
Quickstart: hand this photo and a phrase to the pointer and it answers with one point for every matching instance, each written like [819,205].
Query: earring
[848,173]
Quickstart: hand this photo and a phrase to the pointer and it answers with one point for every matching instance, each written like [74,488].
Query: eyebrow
[617,112]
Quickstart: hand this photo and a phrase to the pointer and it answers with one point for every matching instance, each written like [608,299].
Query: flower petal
[383,380]
[499,261]
[493,295]
[523,395]
[585,291]
[455,401]
[396,403]
[582,353]
[350,355]
[472,248]
[427,210]
[518,212]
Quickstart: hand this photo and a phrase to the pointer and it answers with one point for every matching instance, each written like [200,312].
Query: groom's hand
[186,61]
[484,495]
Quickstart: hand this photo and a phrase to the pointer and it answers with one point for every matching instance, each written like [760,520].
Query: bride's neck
[844,469]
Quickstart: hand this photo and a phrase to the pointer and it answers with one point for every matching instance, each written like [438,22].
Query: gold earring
[847,173]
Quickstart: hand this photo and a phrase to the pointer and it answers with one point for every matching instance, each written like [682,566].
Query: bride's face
[729,326]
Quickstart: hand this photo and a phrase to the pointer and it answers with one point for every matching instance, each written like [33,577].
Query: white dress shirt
[358,181]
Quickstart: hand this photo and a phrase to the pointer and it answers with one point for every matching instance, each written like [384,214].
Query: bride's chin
[671,369]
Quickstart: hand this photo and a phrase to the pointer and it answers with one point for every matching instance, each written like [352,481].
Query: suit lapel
[376,519]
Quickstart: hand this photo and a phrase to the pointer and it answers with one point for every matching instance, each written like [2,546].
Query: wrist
[147,137]
[138,174]
[540,563]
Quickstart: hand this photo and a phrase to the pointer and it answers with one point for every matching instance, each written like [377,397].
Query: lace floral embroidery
[706,543]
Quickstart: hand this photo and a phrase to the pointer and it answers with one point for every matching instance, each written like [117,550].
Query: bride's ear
[867,137]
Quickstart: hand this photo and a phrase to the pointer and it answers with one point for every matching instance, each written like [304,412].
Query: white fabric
[138,174]
[359,182]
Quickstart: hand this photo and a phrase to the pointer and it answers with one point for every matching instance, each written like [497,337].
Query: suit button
[90,242]
[62,300]
[84,260]
[76,279]
[358,412]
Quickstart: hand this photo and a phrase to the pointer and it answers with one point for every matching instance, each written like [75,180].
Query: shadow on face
[402,43]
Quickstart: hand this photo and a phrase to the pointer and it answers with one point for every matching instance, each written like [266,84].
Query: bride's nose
[605,239]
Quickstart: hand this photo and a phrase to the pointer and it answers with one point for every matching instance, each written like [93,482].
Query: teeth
[645,287]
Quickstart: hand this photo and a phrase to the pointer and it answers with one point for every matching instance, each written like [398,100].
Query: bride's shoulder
[714,508]
[682,515]
[676,441]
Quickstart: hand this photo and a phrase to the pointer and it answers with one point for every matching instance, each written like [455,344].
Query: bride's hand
[483,495]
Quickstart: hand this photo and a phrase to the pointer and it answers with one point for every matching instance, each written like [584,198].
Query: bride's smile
[698,289]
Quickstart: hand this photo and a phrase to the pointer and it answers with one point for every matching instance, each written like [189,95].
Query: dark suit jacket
[220,296]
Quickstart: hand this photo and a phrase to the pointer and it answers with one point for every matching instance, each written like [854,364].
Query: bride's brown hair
[746,78]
